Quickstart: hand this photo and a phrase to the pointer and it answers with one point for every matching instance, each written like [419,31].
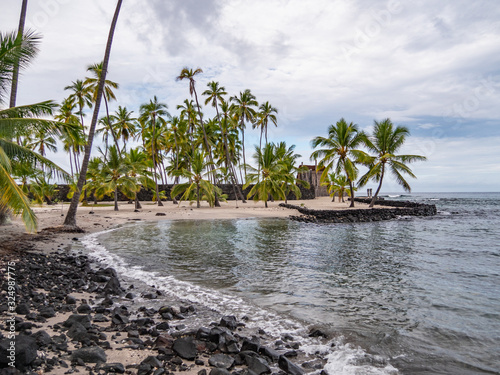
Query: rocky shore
[352,215]
[70,316]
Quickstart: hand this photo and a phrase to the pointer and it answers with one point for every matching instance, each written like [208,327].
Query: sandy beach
[104,216]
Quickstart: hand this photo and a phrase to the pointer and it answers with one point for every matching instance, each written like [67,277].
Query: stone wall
[363,215]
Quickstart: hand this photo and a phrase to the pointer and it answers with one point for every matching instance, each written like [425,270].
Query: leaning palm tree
[70,220]
[340,152]
[385,143]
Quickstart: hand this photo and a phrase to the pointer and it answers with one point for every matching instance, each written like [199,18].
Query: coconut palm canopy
[18,124]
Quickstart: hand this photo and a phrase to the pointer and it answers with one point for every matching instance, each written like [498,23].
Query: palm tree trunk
[243,143]
[137,203]
[153,152]
[352,193]
[15,73]
[372,203]
[116,198]
[70,219]
[198,195]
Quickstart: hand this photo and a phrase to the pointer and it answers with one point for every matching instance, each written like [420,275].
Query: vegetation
[385,143]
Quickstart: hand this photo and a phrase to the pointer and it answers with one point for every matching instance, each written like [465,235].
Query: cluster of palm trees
[204,151]
[341,152]
[188,146]
[197,152]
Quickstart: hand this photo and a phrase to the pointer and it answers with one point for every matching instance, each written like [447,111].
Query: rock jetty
[353,215]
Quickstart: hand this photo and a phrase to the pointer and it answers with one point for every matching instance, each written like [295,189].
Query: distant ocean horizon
[416,295]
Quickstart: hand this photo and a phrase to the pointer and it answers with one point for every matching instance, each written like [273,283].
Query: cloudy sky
[433,66]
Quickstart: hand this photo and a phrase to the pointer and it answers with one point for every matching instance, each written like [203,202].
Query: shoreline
[22,249]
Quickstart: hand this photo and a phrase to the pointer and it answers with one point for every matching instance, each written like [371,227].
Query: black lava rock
[185,348]
[22,353]
[93,354]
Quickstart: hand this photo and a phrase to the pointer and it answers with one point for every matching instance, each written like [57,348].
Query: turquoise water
[420,295]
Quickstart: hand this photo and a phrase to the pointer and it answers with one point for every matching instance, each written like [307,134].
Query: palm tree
[43,190]
[288,159]
[92,83]
[70,219]
[199,186]
[385,143]
[137,168]
[268,180]
[115,177]
[72,134]
[267,112]
[214,94]
[190,74]
[124,124]
[339,152]
[153,112]
[19,122]
[243,108]
[81,95]
[189,113]
[336,184]
[43,142]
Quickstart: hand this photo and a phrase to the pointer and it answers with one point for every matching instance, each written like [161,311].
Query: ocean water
[416,295]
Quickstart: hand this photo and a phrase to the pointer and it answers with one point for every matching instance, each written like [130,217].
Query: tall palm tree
[243,107]
[340,152]
[15,72]
[70,219]
[214,94]
[81,95]
[154,112]
[267,113]
[385,143]
[188,112]
[189,74]
[72,134]
[124,124]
